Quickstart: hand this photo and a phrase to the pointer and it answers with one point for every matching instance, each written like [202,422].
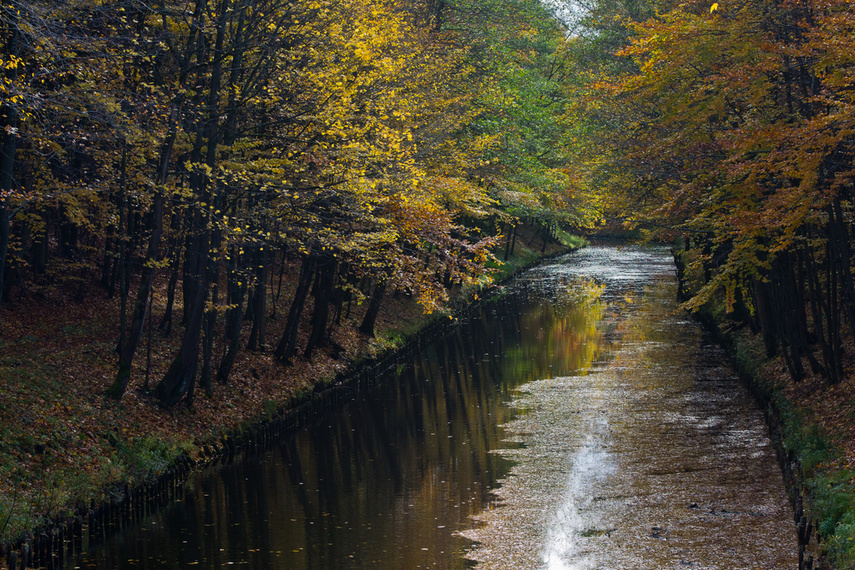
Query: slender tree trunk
[166,322]
[844,260]
[275,300]
[234,319]
[8,122]
[367,326]
[209,329]
[180,379]
[321,309]
[514,241]
[287,346]
[112,258]
[511,228]
[174,253]
[818,310]
[833,313]
[40,246]
[257,337]
[8,126]
[547,231]
[129,348]
[126,355]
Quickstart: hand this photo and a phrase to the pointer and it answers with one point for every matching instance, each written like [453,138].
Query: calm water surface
[581,422]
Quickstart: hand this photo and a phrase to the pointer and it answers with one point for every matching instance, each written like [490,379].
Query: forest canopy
[392,146]
[378,145]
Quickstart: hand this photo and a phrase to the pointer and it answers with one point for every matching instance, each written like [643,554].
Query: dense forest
[382,146]
[198,151]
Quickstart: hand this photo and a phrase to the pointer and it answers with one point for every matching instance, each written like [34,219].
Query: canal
[581,421]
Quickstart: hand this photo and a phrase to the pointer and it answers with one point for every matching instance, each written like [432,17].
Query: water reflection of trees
[404,468]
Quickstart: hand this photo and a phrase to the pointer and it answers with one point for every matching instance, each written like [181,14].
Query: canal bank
[811,425]
[114,469]
[577,412]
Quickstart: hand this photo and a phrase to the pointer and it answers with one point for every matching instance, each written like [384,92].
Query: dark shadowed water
[581,422]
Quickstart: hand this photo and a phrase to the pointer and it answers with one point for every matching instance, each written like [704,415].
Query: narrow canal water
[581,422]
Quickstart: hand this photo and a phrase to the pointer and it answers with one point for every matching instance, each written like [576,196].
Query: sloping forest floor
[63,444]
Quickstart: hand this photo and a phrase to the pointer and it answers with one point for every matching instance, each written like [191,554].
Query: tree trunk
[8,126]
[287,347]
[233,321]
[8,121]
[181,376]
[126,357]
[166,322]
[321,309]
[129,349]
[257,337]
[174,253]
[511,234]
[514,241]
[210,321]
[766,317]
[367,326]
[844,260]
[40,246]
[210,324]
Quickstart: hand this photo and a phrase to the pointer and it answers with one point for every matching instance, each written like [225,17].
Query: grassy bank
[64,445]
[813,424]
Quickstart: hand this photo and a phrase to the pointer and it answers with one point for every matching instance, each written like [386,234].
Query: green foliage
[803,437]
[831,488]
[270,408]
[140,459]
[833,504]
[748,353]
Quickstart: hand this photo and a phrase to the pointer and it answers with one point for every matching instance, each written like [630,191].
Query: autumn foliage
[730,127]
[214,142]
[233,195]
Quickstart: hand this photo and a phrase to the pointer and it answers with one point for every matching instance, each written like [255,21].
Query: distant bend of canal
[579,422]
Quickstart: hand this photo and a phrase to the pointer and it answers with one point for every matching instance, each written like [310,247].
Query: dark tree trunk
[112,257]
[257,337]
[514,242]
[8,125]
[766,317]
[275,299]
[108,266]
[180,379]
[166,322]
[367,326]
[287,346]
[844,260]
[129,348]
[511,236]
[785,324]
[819,310]
[835,343]
[547,233]
[210,321]
[8,120]
[233,321]
[126,355]
[40,246]
[174,253]
[320,311]
[210,324]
